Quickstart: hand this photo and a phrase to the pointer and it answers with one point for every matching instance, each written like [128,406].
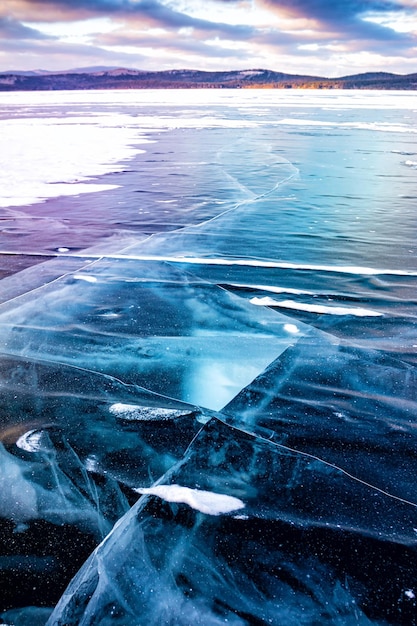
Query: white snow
[85,277]
[46,157]
[30,441]
[291,328]
[143,413]
[203,501]
[315,308]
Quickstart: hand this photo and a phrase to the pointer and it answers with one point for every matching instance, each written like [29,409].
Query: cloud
[166,43]
[336,11]
[305,35]
[57,56]
[347,25]
[12,29]
[333,9]
[150,13]
[341,15]
[150,10]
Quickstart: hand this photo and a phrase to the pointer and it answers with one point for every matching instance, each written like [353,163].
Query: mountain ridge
[129,78]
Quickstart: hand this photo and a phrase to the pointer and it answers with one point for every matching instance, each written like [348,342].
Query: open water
[208,332]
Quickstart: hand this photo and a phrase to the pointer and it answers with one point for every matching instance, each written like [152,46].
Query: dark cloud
[94,6]
[169,18]
[337,13]
[344,19]
[334,10]
[12,29]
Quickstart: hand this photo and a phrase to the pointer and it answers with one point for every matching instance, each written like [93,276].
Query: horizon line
[110,68]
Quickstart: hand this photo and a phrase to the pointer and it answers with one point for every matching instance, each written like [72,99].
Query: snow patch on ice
[194,260]
[86,277]
[291,328]
[204,501]
[373,126]
[49,157]
[30,441]
[315,308]
[143,413]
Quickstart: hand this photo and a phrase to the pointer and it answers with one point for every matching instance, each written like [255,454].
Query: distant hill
[124,78]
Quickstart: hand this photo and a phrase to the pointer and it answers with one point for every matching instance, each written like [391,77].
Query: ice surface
[33,615]
[35,487]
[274,454]
[69,465]
[147,324]
[349,406]
[284,558]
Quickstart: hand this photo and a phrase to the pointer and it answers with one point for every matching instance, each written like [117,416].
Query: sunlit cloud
[80,31]
[398,22]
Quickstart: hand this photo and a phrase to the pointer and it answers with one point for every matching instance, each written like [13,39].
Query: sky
[315,37]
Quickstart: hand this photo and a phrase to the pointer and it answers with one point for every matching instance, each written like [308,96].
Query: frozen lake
[208,332]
